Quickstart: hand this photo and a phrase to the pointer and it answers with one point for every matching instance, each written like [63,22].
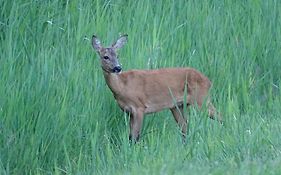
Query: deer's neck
[114,82]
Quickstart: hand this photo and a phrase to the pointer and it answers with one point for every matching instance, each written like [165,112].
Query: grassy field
[57,116]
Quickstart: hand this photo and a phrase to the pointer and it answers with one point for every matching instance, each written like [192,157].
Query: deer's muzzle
[117,69]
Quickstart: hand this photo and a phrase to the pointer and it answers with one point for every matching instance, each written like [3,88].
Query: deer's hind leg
[180,119]
[213,114]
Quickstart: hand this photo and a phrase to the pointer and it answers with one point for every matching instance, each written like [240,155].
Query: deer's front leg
[136,119]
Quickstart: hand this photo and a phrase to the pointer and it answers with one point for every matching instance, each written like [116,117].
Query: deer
[141,92]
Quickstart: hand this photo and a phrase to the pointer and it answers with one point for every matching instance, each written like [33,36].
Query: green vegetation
[57,115]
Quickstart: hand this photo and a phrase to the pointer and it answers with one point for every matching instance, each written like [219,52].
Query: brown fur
[140,92]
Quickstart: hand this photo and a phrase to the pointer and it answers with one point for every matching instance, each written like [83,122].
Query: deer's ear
[120,42]
[96,43]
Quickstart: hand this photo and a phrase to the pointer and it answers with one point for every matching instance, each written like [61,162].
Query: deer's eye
[106,57]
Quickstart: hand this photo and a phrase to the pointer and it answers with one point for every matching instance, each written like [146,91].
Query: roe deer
[139,92]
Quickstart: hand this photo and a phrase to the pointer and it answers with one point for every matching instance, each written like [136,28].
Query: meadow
[57,116]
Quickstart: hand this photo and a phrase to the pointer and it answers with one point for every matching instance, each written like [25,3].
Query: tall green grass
[57,115]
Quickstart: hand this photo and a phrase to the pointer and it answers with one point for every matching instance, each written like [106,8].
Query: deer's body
[155,90]
[140,92]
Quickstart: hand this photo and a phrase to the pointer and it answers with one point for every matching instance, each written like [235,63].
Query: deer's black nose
[117,69]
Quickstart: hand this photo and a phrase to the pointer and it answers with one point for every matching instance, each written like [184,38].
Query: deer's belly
[164,104]
[148,105]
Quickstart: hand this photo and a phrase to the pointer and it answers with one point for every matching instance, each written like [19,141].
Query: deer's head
[108,55]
